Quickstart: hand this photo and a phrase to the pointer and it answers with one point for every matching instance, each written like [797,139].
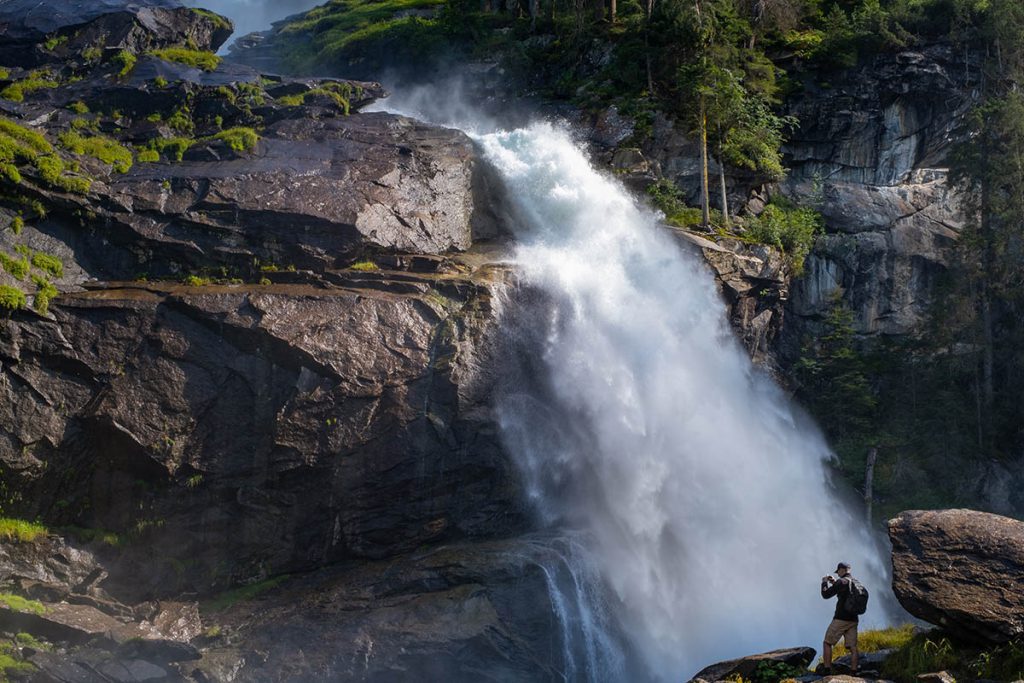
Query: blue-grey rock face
[102,24]
[875,148]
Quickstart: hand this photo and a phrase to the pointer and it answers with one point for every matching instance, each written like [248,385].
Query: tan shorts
[847,630]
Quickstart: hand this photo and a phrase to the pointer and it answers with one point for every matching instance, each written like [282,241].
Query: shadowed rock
[745,666]
[962,571]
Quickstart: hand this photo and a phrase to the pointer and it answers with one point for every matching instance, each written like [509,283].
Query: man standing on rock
[844,624]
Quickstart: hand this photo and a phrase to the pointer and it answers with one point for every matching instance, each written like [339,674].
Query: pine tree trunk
[721,177]
[612,8]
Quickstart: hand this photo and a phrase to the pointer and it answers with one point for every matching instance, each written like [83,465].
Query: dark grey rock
[961,570]
[745,666]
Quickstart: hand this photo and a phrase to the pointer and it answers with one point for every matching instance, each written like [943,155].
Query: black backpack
[856,601]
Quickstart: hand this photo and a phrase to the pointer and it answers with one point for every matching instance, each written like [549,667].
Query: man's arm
[828,590]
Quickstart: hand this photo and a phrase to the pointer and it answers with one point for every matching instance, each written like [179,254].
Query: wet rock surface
[452,613]
[961,570]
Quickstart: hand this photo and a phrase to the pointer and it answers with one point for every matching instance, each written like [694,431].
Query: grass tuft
[20,604]
[20,530]
[11,298]
[104,149]
[197,59]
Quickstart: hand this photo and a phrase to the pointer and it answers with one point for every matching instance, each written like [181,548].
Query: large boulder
[744,667]
[962,571]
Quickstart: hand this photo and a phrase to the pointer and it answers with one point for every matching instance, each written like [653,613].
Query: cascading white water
[709,504]
[638,419]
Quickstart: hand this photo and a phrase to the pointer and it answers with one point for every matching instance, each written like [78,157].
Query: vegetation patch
[17,268]
[37,80]
[789,228]
[11,298]
[20,530]
[340,93]
[934,651]
[20,145]
[197,59]
[20,604]
[49,264]
[98,147]
[364,266]
[45,291]
[239,139]
[218,21]
[125,61]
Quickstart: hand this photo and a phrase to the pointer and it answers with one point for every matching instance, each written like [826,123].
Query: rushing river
[637,418]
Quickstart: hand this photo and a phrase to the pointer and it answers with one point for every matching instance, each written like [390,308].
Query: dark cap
[843,565]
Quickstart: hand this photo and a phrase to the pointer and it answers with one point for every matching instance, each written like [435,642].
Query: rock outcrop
[874,146]
[43,31]
[754,282]
[962,571]
[744,667]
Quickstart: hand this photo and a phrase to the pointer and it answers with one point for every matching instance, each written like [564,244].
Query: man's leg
[851,643]
[826,655]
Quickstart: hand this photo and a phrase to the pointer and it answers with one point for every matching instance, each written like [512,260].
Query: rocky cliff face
[255,340]
[874,145]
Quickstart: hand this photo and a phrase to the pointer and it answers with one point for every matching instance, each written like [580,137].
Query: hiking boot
[823,670]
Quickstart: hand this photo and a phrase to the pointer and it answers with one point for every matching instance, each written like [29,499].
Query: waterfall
[636,418]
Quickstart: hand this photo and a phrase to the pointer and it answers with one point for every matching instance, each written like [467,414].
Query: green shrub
[17,268]
[125,61]
[20,604]
[174,148]
[52,171]
[48,264]
[198,59]
[104,149]
[197,281]
[11,666]
[11,298]
[364,266]
[181,121]
[23,142]
[148,156]
[4,73]
[44,294]
[37,80]
[160,82]
[239,139]
[53,43]
[17,225]
[92,54]
[19,530]
[79,107]
[340,93]
[792,230]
